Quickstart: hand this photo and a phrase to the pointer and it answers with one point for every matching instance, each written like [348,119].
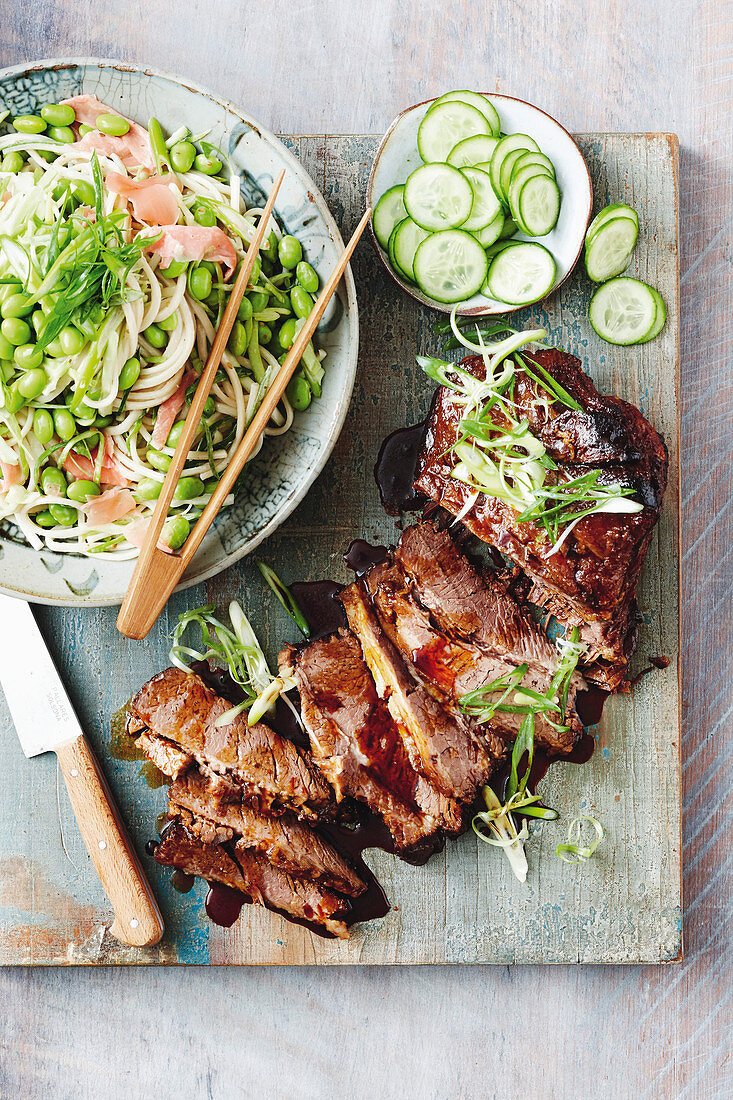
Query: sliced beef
[243,869]
[288,843]
[166,756]
[462,630]
[441,746]
[251,762]
[357,743]
[590,581]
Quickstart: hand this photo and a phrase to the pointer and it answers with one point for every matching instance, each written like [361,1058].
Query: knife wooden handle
[137,918]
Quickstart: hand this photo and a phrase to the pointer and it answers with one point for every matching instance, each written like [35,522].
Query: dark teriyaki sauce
[394,470]
[223,904]
[654,663]
[182,882]
[589,705]
[362,555]
[317,600]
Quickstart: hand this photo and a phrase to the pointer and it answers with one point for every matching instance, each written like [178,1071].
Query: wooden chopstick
[158,573]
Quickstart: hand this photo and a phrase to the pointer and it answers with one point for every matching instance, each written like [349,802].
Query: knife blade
[45,721]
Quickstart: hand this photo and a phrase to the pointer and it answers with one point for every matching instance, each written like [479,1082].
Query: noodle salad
[118,249]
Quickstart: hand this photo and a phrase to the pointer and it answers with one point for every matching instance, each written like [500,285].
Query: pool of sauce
[394,470]
[317,600]
[362,555]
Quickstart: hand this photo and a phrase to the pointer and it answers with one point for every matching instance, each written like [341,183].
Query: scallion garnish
[574,852]
[284,597]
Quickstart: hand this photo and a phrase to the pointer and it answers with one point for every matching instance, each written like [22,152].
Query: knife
[45,722]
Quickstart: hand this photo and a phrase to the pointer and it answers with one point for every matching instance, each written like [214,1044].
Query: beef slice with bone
[357,743]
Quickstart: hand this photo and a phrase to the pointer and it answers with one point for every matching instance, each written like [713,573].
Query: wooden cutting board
[465,906]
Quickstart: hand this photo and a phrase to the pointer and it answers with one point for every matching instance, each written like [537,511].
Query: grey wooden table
[349,66]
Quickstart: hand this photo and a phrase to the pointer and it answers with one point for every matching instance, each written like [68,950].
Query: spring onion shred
[238,649]
[497,454]
[574,852]
[284,597]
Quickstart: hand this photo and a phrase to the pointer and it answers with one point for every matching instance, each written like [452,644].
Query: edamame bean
[188,488]
[85,414]
[289,251]
[38,320]
[43,426]
[65,425]
[129,373]
[28,357]
[148,489]
[83,490]
[7,290]
[156,336]
[14,400]
[16,331]
[44,519]
[53,482]
[245,311]
[254,275]
[175,531]
[54,349]
[307,277]
[58,114]
[32,383]
[210,166]
[199,282]
[174,269]
[210,406]
[64,514]
[16,305]
[301,301]
[175,434]
[112,125]
[62,133]
[265,333]
[269,249]
[71,340]
[298,392]
[6,348]
[237,342]
[158,460]
[203,215]
[103,421]
[84,129]
[12,162]
[168,324]
[29,124]
[83,191]
[287,333]
[182,155]
[259,300]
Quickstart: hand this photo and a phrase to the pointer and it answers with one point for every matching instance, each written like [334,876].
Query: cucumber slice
[485,206]
[390,252]
[518,180]
[506,146]
[472,151]
[537,204]
[387,213]
[480,102]
[521,273]
[510,228]
[624,311]
[408,235]
[438,196]
[615,210]
[608,252]
[445,125]
[530,157]
[491,232]
[661,317]
[450,266]
[507,171]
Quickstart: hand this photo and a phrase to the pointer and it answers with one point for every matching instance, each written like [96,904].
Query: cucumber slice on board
[407,237]
[450,266]
[537,204]
[521,273]
[661,317]
[445,125]
[390,252]
[608,252]
[491,232]
[615,210]
[485,206]
[472,151]
[506,146]
[624,311]
[387,213]
[438,196]
[480,102]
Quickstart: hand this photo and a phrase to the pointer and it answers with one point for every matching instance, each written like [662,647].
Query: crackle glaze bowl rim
[36,587]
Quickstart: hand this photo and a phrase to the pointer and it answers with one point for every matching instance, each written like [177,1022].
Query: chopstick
[158,572]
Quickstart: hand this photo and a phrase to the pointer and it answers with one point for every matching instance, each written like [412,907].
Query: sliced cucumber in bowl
[445,125]
[490,233]
[450,266]
[624,311]
[407,238]
[474,99]
[608,251]
[438,196]
[472,151]
[535,202]
[390,210]
[521,274]
[486,206]
[507,145]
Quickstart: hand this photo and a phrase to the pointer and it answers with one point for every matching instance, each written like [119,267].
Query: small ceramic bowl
[397,157]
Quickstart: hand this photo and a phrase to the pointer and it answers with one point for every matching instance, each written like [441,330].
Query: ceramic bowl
[397,157]
[281,474]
